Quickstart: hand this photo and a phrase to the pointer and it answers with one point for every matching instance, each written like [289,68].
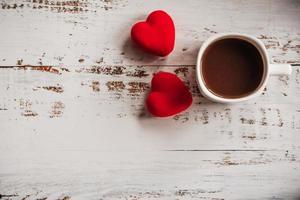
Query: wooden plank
[83,33]
[101,102]
[210,175]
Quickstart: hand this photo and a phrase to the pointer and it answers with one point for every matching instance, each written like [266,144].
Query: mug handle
[280,69]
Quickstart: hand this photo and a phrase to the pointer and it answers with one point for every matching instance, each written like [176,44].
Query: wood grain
[42,32]
[151,175]
[72,118]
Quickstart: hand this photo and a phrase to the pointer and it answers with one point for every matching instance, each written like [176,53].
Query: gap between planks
[219,150]
[156,65]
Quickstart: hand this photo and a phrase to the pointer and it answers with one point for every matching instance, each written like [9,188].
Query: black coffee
[232,68]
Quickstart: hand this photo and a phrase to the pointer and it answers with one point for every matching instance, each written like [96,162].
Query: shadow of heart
[133,53]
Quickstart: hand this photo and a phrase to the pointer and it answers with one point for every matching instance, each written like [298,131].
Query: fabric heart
[168,95]
[156,35]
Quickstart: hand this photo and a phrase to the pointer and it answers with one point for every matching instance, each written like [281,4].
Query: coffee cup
[234,67]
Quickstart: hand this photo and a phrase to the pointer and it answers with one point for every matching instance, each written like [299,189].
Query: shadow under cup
[232,68]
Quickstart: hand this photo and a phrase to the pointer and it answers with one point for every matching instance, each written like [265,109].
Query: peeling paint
[263,120]
[109,70]
[50,69]
[64,6]
[95,86]
[66,198]
[182,70]
[20,62]
[57,89]
[26,108]
[202,116]
[57,109]
[247,121]
[115,86]
[138,87]
[45,69]
[182,117]
[137,73]
[284,79]
[29,113]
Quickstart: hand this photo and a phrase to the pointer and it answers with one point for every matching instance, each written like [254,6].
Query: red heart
[156,35]
[168,95]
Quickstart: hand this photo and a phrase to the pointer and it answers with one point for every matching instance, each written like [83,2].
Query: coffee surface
[232,68]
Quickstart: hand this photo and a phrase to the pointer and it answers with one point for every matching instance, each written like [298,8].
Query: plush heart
[156,35]
[168,95]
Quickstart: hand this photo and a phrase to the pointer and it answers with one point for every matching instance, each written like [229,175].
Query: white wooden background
[72,117]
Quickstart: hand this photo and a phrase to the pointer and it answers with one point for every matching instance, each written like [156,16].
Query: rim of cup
[248,38]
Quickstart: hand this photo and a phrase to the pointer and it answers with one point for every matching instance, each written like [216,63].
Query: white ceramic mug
[269,69]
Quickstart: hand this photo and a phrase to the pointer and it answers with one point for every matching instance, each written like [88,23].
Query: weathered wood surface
[72,117]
